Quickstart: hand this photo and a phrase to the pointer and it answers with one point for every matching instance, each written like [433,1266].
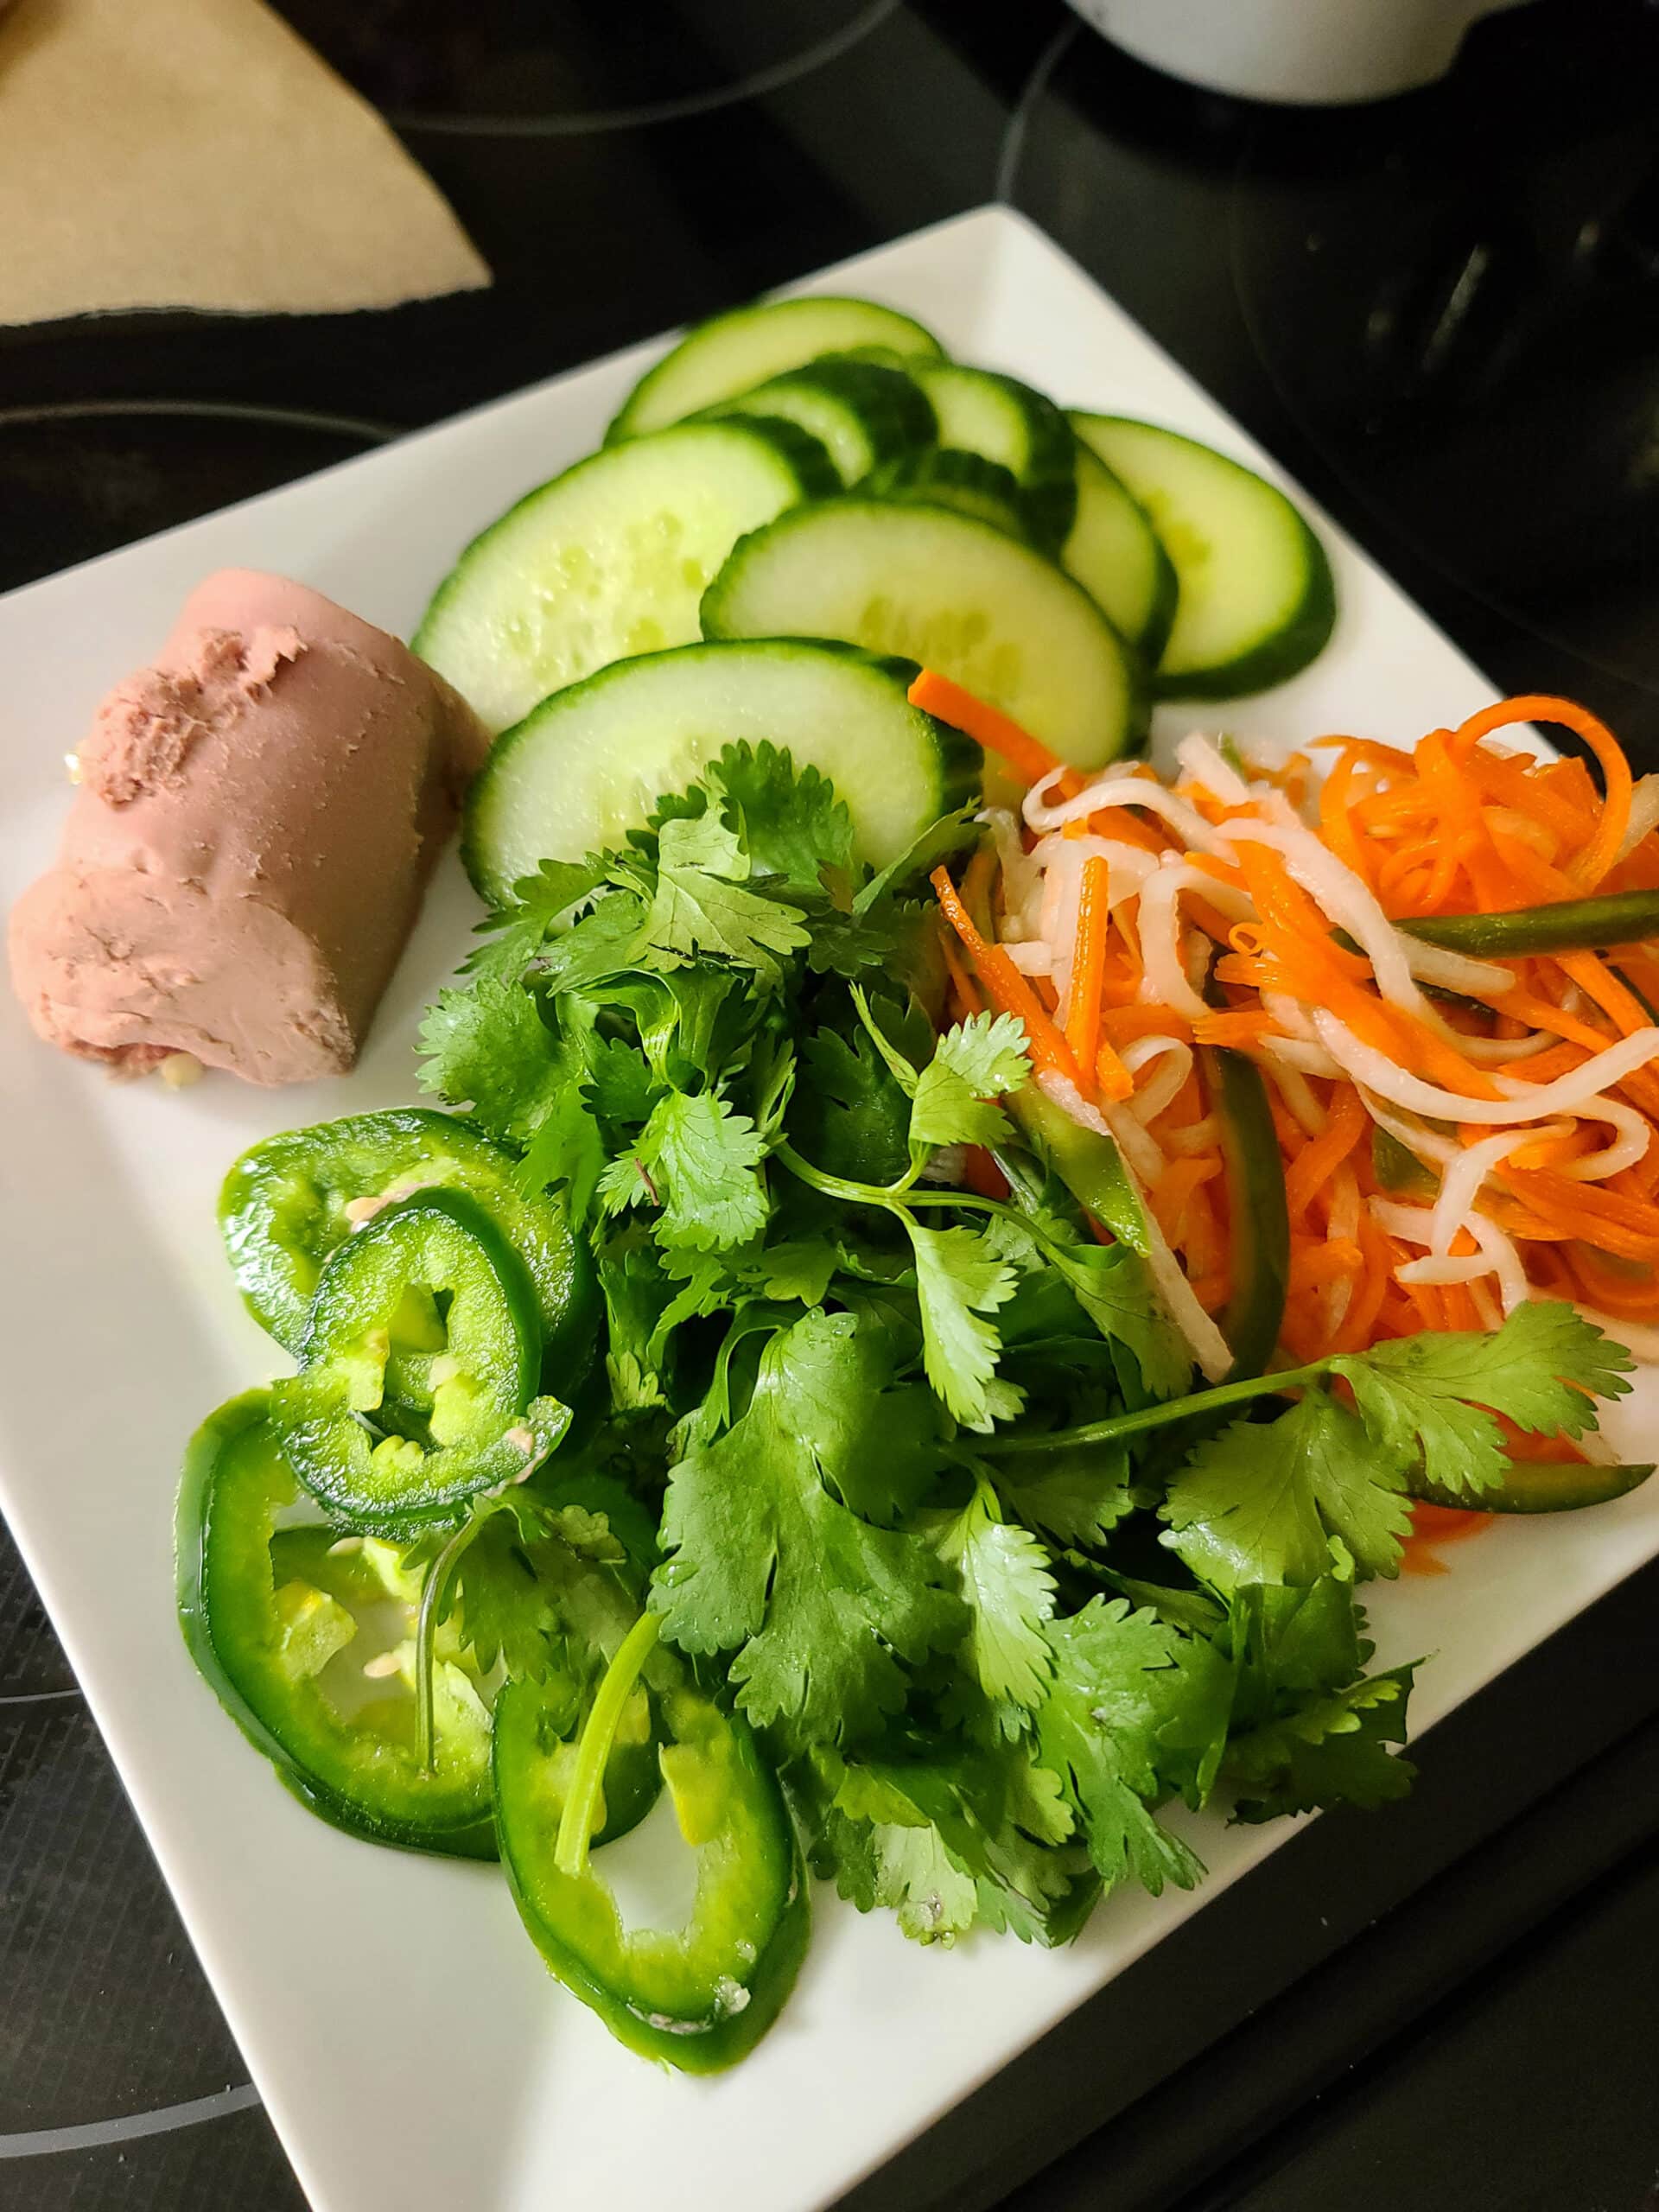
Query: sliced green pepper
[289,1203]
[1570,925]
[470,1419]
[1257,1214]
[699,1995]
[1089,1165]
[1542,1486]
[307,1638]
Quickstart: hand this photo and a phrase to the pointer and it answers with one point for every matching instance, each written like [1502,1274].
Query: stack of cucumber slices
[800,505]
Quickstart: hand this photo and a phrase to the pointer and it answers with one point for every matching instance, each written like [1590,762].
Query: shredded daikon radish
[1128,866]
[1503,1051]
[1636,1134]
[1525,831]
[1495,1255]
[1204,762]
[1165,1087]
[1062,898]
[1297,1052]
[1032,956]
[1462,1182]
[1347,900]
[1289,1015]
[1293,1085]
[1020,876]
[1202,1135]
[1455,971]
[1162,951]
[1427,1147]
[1486,1307]
[1208,1346]
[1344,1203]
[1576,1092]
[1126,791]
[1644,815]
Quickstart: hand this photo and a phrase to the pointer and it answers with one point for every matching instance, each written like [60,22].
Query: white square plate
[415,2056]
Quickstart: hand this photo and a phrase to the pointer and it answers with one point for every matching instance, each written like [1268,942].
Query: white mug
[1314,52]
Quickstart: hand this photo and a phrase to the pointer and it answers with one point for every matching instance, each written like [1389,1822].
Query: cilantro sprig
[990,1656]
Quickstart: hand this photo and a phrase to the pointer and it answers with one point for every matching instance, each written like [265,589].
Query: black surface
[1443,313]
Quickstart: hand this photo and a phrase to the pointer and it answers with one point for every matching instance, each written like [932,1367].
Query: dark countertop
[1442,313]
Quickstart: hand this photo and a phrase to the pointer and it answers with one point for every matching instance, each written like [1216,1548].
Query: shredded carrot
[1120,1025]
[1088,972]
[1319,1159]
[1593,862]
[1459,825]
[989,727]
[1006,988]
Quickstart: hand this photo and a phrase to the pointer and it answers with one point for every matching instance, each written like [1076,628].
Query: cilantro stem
[576,1822]
[897,1198]
[1134,1424]
[426,1632]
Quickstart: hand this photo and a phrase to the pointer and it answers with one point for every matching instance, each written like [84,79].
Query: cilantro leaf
[1423,1397]
[701,1162]
[1078,1494]
[519,929]
[1112,1285]
[946,1834]
[820,1608]
[940,840]
[488,1048]
[1120,1685]
[788,819]
[903,1865]
[1003,1575]
[798,1267]
[982,1059]
[1261,1503]
[620,1086]
[498,1606]
[959,1280]
[567,1151]
[602,946]
[850,1117]
[635,1291]
[1331,1751]
[702,906]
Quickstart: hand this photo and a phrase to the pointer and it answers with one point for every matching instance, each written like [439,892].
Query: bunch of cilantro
[893,1451]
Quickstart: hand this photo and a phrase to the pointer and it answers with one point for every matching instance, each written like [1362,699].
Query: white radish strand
[1454,972]
[1206,765]
[1164,982]
[1305,1111]
[1204,1340]
[1165,1087]
[1644,815]
[1032,956]
[1203,1135]
[1465,1176]
[1576,1092]
[1185,820]
[1020,878]
[1634,1135]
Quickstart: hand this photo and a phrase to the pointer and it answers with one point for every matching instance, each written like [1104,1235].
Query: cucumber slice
[609,559]
[732,353]
[949,591]
[1113,553]
[861,413]
[590,763]
[1256,600]
[945,476]
[1005,421]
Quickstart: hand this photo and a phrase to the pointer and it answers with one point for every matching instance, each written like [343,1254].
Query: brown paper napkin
[195,153]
